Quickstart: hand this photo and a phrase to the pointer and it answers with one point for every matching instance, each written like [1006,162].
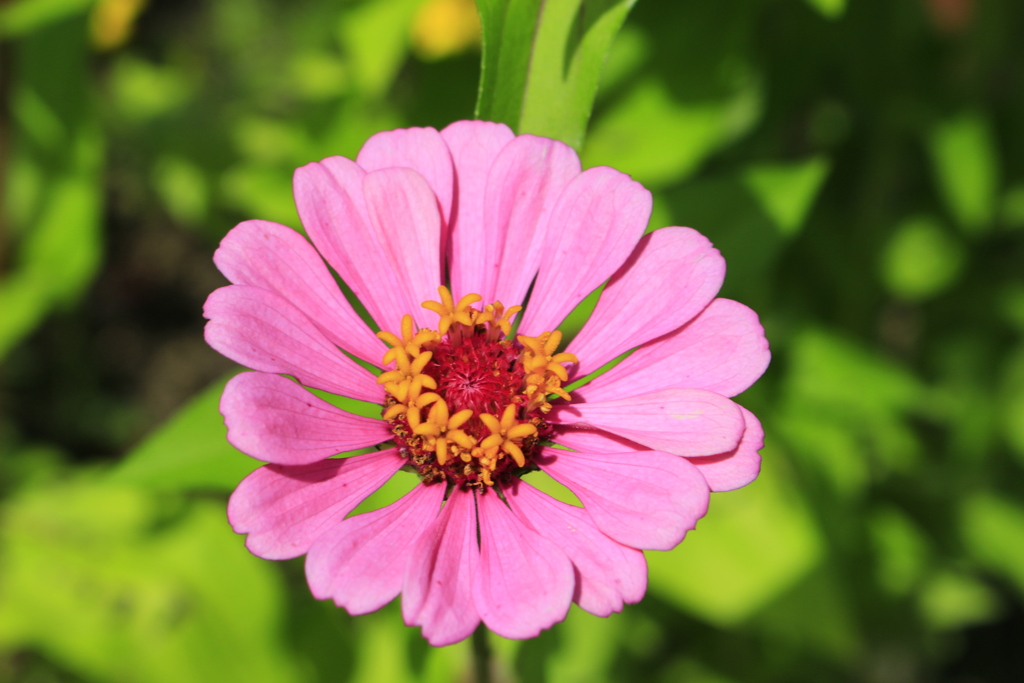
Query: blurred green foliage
[860,165]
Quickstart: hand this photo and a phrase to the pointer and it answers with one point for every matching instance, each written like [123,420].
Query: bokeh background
[859,163]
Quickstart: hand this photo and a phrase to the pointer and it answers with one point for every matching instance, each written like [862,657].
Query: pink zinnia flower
[466,404]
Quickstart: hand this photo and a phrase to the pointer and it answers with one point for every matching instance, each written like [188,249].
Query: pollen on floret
[466,403]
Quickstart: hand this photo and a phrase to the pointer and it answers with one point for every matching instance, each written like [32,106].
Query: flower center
[465,403]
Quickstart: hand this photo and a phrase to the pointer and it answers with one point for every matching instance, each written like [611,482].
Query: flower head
[468,248]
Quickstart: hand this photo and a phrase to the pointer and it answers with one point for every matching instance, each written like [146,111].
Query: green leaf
[658,140]
[835,373]
[38,119]
[542,62]
[952,601]
[507,39]
[382,651]
[182,186]
[261,191]
[142,90]
[376,37]
[828,447]
[966,165]
[1011,399]
[921,259]
[588,647]
[189,451]
[815,616]
[572,41]
[993,530]
[24,16]
[137,594]
[901,550]
[830,9]
[1012,211]
[753,545]
[59,256]
[787,191]
[850,403]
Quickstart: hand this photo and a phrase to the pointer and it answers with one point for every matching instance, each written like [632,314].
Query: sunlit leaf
[137,594]
[834,371]
[966,166]
[587,647]
[848,389]
[787,191]
[953,601]
[658,140]
[382,651]
[319,75]
[830,9]
[921,259]
[993,529]
[754,544]
[376,37]
[23,16]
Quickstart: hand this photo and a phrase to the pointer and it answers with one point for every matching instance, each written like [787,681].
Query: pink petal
[330,200]
[361,561]
[594,441]
[474,145]
[525,582]
[680,421]
[275,257]
[437,591]
[261,330]
[739,467]
[671,276]
[421,149]
[608,573]
[273,419]
[523,188]
[285,508]
[595,224]
[646,500]
[722,350]
[722,471]
[404,213]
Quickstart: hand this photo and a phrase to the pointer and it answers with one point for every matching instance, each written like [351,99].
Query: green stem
[481,655]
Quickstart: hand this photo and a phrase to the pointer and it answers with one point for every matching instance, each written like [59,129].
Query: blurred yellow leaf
[112,22]
[443,28]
